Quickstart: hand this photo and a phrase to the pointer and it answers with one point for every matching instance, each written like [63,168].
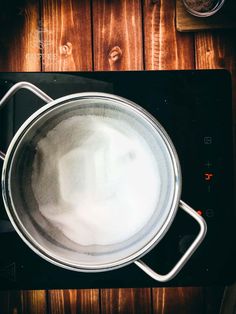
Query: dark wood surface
[164,47]
[117,35]
[76,35]
[66,36]
[19,36]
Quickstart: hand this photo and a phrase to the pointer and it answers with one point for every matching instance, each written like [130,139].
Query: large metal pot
[33,228]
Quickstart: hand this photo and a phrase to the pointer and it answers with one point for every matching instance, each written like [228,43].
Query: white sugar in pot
[91,182]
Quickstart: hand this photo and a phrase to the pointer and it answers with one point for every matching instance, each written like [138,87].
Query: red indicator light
[208,176]
[200,212]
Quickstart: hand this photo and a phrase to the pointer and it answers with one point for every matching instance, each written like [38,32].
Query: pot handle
[22,85]
[175,270]
[2,155]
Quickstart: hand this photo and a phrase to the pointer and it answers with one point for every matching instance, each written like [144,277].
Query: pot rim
[46,254]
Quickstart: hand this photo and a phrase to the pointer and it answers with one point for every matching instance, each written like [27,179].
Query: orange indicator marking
[208,176]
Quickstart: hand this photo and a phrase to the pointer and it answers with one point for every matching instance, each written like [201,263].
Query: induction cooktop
[195,108]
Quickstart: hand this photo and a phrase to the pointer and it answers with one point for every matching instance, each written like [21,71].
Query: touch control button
[210,212]
[208,164]
[207,140]
[209,188]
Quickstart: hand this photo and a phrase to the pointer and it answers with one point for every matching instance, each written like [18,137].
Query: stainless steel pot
[53,246]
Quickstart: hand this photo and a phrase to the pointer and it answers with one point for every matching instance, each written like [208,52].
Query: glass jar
[203,8]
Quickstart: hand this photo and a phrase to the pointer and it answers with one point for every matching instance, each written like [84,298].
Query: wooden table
[81,35]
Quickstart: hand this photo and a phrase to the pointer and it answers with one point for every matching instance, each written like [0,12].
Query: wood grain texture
[121,301]
[66,35]
[217,51]
[178,300]
[225,18]
[19,36]
[165,48]
[23,302]
[74,301]
[34,301]
[10,302]
[117,33]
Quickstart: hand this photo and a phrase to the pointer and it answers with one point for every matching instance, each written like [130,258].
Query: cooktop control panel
[195,108]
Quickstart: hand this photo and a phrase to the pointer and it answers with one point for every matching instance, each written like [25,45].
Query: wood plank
[217,51]
[19,38]
[225,18]
[178,300]
[165,48]
[26,302]
[213,299]
[34,301]
[74,301]
[56,302]
[10,302]
[129,300]
[228,305]
[117,33]
[66,35]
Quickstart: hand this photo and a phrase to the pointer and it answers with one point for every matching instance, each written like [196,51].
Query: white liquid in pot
[96,179]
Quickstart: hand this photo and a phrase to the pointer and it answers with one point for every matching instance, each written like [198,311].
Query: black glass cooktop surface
[195,108]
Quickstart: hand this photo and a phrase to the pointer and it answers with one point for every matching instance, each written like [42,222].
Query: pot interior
[91,182]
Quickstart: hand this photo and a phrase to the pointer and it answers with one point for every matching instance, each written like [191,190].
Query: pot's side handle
[23,85]
[2,155]
[175,270]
